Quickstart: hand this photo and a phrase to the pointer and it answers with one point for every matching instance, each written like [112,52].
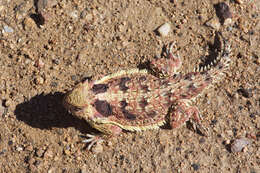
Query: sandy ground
[47,47]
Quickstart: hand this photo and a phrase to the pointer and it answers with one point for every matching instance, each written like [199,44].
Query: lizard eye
[76,109]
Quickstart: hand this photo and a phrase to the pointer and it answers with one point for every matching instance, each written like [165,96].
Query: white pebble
[74,14]
[228,21]
[8,29]
[164,29]
[213,23]
[239,144]
[239,1]
[19,148]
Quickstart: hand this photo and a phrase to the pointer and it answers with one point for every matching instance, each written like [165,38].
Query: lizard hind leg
[182,112]
[170,64]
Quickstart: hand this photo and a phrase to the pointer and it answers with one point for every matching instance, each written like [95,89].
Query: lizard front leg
[168,66]
[107,129]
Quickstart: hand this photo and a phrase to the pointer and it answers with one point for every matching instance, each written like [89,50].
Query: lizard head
[77,101]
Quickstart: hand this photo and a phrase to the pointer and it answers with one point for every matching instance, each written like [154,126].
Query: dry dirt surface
[48,46]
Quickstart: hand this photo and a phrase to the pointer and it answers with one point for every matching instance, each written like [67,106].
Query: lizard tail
[222,61]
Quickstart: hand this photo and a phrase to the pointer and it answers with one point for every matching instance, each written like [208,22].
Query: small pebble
[98,148]
[214,122]
[29,148]
[41,4]
[239,144]
[223,12]
[229,28]
[178,149]
[202,140]
[89,17]
[29,23]
[213,23]
[84,169]
[27,61]
[8,102]
[51,170]
[239,1]
[109,143]
[10,142]
[227,142]
[163,138]
[39,63]
[48,154]
[251,136]
[2,109]
[252,115]
[73,77]
[229,132]
[74,14]
[82,56]
[44,4]
[195,166]
[42,10]
[19,148]
[1,7]
[8,29]
[3,151]
[164,29]
[67,152]
[228,22]
[251,32]
[56,61]
[247,93]
[40,152]
[54,84]
[39,80]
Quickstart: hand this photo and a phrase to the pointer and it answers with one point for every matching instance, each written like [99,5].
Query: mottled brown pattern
[132,107]
[137,100]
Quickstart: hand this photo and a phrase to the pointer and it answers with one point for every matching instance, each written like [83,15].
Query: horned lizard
[136,100]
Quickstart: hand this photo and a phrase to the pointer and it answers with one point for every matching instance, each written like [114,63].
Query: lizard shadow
[47,112]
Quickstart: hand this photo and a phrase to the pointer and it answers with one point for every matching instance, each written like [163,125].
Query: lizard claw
[91,140]
[197,127]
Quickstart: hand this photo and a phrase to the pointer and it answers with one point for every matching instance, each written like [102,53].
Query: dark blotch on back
[145,88]
[122,83]
[151,114]
[103,107]
[143,103]
[129,115]
[99,88]
[126,113]
[142,78]
[123,104]
[192,87]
